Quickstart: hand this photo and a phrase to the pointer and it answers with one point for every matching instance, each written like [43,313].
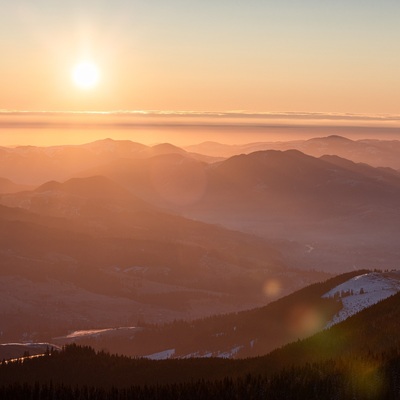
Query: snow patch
[197,354]
[230,353]
[363,291]
[162,355]
[94,332]
[217,354]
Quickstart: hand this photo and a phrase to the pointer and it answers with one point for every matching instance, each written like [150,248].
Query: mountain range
[323,213]
[253,332]
[107,258]
[375,152]
[116,236]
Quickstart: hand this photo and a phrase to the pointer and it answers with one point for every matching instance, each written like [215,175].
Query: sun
[86,75]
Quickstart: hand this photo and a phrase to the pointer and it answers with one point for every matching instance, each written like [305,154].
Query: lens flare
[272,288]
[304,320]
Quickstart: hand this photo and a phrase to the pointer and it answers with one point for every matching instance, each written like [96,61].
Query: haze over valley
[114,234]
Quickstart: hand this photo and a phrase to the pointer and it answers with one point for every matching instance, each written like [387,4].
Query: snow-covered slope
[162,355]
[363,291]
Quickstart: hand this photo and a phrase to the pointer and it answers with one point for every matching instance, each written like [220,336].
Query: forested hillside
[245,334]
[366,377]
[356,359]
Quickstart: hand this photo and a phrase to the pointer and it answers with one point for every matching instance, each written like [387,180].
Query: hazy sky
[258,55]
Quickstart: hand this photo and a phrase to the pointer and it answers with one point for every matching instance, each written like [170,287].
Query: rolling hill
[357,358]
[7,186]
[323,213]
[63,162]
[378,153]
[94,242]
[259,331]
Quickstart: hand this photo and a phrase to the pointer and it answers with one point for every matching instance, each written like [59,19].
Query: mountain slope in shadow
[95,235]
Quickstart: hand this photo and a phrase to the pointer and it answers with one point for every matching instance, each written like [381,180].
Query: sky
[258,55]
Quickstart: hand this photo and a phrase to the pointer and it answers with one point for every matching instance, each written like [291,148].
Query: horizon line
[159,119]
[214,114]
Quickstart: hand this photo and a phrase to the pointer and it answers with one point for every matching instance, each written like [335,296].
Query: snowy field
[363,291]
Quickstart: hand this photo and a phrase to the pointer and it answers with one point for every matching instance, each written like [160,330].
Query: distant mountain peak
[167,148]
[111,143]
[8,186]
[272,155]
[332,138]
[48,186]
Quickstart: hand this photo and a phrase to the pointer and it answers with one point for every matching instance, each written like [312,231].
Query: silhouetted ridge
[95,186]
[274,167]
[49,186]
[8,186]
[356,359]
[333,138]
[270,158]
[371,331]
[124,148]
[165,148]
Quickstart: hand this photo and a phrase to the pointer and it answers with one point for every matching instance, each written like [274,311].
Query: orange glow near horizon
[184,128]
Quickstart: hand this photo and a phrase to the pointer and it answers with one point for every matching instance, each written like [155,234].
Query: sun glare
[86,75]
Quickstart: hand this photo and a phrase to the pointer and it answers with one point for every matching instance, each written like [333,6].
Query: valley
[168,255]
[139,236]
